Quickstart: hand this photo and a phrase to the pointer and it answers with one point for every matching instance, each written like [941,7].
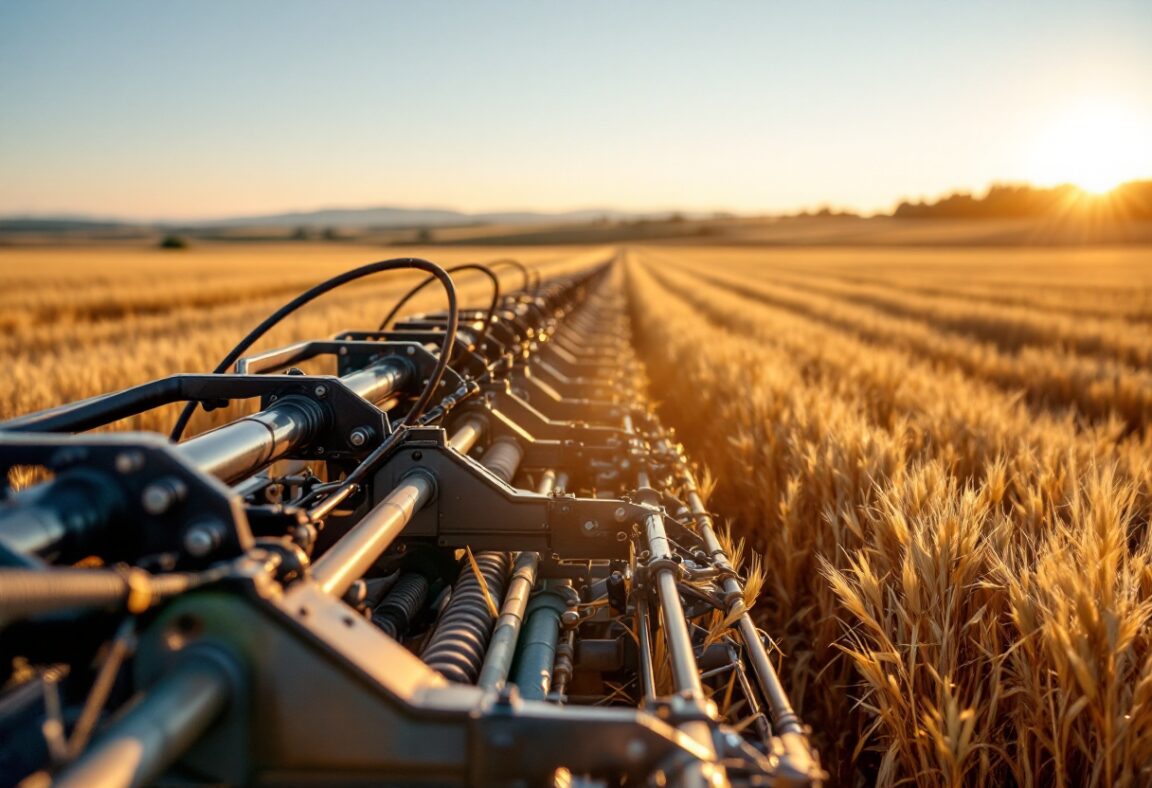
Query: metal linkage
[517,583]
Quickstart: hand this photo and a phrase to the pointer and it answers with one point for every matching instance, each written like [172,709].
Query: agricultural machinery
[467,553]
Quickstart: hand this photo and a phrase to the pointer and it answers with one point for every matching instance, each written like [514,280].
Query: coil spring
[403,603]
[457,647]
[503,458]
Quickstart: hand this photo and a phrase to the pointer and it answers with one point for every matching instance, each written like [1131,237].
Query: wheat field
[944,457]
[77,322]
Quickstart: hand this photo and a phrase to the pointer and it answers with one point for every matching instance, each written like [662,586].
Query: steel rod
[467,434]
[241,448]
[644,633]
[347,560]
[137,748]
[784,718]
[501,649]
[685,673]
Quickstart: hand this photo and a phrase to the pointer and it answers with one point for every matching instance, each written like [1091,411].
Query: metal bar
[784,718]
[346,561]
[378,382]
[644,633]
[243,447]
[467,435]
[502,648]
[547,482]
[685,673]
[239,449]
[28,592]
[537,652]
[155,732]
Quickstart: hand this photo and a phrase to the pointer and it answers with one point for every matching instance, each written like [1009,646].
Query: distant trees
[173,242]
[1011,201]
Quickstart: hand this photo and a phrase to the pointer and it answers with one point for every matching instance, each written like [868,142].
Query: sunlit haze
[1096,144]
[187,110]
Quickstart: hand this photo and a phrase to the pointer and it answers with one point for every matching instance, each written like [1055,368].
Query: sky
[183,110]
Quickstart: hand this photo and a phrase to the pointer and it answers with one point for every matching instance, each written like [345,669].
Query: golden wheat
[103,319]
[958,577]
[944,458]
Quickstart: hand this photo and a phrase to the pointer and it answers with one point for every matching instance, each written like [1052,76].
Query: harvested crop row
[971,653]
[1009,328]
[943,414]
[1094,283]
[1048,377]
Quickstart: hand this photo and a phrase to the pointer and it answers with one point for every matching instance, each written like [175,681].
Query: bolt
[320,391]
[635,750]
[129,461]
[359,436]
[160,496]
[410,350]
[201,539]
[343,351]
[621,514]
[274,493]
[590,525]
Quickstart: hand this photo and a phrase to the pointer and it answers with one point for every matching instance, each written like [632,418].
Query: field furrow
[1049,377]
[1009,328]
[1096,284]
[920,525]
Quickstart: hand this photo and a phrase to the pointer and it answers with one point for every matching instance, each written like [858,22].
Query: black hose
[523,269]
[327,285]
[463,267]
[395,614]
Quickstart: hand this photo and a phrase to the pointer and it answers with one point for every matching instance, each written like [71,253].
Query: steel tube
[378,382]
[537,652]
[31,529]
[685,674]
[467,435]
[547,482]
[784,718]
[502,647]
[241,448]
[155,732]
[29,592]
[644,633]
[354,554]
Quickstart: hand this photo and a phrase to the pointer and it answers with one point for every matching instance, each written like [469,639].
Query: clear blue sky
[193,109]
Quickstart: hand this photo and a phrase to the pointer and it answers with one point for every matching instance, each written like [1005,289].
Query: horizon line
[74,215]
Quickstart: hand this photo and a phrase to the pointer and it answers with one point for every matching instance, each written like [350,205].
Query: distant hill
[341,218]
[412,217]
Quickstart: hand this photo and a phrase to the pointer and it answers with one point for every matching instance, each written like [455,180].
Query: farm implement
[471,554]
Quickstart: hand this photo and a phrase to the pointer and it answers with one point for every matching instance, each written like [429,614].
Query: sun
[1096,145]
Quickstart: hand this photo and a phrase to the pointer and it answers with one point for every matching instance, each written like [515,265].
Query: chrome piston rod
[239,449]
[347,560]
